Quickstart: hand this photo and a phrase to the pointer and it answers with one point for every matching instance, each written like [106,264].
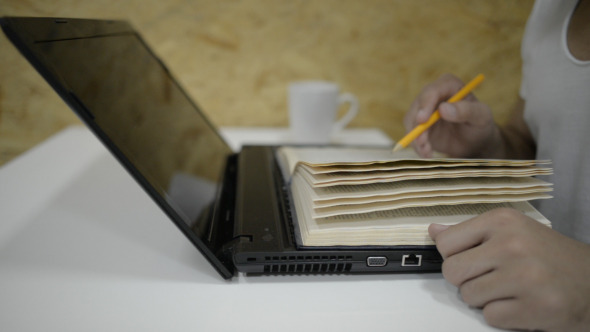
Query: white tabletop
[83,248]
[238,136]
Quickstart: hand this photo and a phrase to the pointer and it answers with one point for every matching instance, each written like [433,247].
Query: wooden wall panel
[235,58]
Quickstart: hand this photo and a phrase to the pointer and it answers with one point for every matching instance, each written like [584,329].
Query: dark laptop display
[105,72]
[233,207]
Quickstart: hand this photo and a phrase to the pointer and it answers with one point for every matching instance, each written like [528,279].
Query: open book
[371,197]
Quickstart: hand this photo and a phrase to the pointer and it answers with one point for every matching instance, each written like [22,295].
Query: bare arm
[517,141]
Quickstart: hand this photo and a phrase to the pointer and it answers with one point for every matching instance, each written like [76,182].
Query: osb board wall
[235,58]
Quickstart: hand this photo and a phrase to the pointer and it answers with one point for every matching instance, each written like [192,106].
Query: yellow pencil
[412,135]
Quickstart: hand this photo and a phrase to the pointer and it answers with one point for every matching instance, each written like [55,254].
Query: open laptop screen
[124,92]
[133,99]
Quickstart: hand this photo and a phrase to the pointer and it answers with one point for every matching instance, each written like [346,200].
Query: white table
[83,248]
[238,136]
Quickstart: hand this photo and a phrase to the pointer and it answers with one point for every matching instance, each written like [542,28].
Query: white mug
[313,106]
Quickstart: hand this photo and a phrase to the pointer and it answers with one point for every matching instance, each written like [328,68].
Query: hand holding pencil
[455,132]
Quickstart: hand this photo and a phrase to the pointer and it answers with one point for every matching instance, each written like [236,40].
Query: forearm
[515,139]
[517,146]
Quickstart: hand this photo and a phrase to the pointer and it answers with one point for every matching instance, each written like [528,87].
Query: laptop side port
[376,261]
[412,260]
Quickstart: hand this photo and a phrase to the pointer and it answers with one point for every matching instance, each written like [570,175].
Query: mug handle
[350,114]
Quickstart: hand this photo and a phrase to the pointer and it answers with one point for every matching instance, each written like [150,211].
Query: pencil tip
[397,147]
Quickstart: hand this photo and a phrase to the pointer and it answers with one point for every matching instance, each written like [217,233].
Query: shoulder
[548,15]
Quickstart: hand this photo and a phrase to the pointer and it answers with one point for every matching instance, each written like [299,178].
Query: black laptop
[234,207]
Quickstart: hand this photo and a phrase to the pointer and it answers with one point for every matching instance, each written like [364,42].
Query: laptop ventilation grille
[331,265]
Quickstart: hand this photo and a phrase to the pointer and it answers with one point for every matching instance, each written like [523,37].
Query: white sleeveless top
[556,88]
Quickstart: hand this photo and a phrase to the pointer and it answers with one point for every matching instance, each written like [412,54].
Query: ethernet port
[412,260]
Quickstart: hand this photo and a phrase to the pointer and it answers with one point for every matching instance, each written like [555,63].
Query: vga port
[376,261]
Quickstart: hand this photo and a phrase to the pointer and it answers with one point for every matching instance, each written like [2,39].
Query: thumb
[435,229]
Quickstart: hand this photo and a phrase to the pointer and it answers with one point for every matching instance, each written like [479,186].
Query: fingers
[422,145]
[465,266]
[435,229]
[484,284]
[514,268]
[476,262]
[422,115]
[433,94]
[507,314]
[460,237]
[466,111]
[459,247]
[425,104]
[429,98]
[464,246]
[488,287]
[466,128]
